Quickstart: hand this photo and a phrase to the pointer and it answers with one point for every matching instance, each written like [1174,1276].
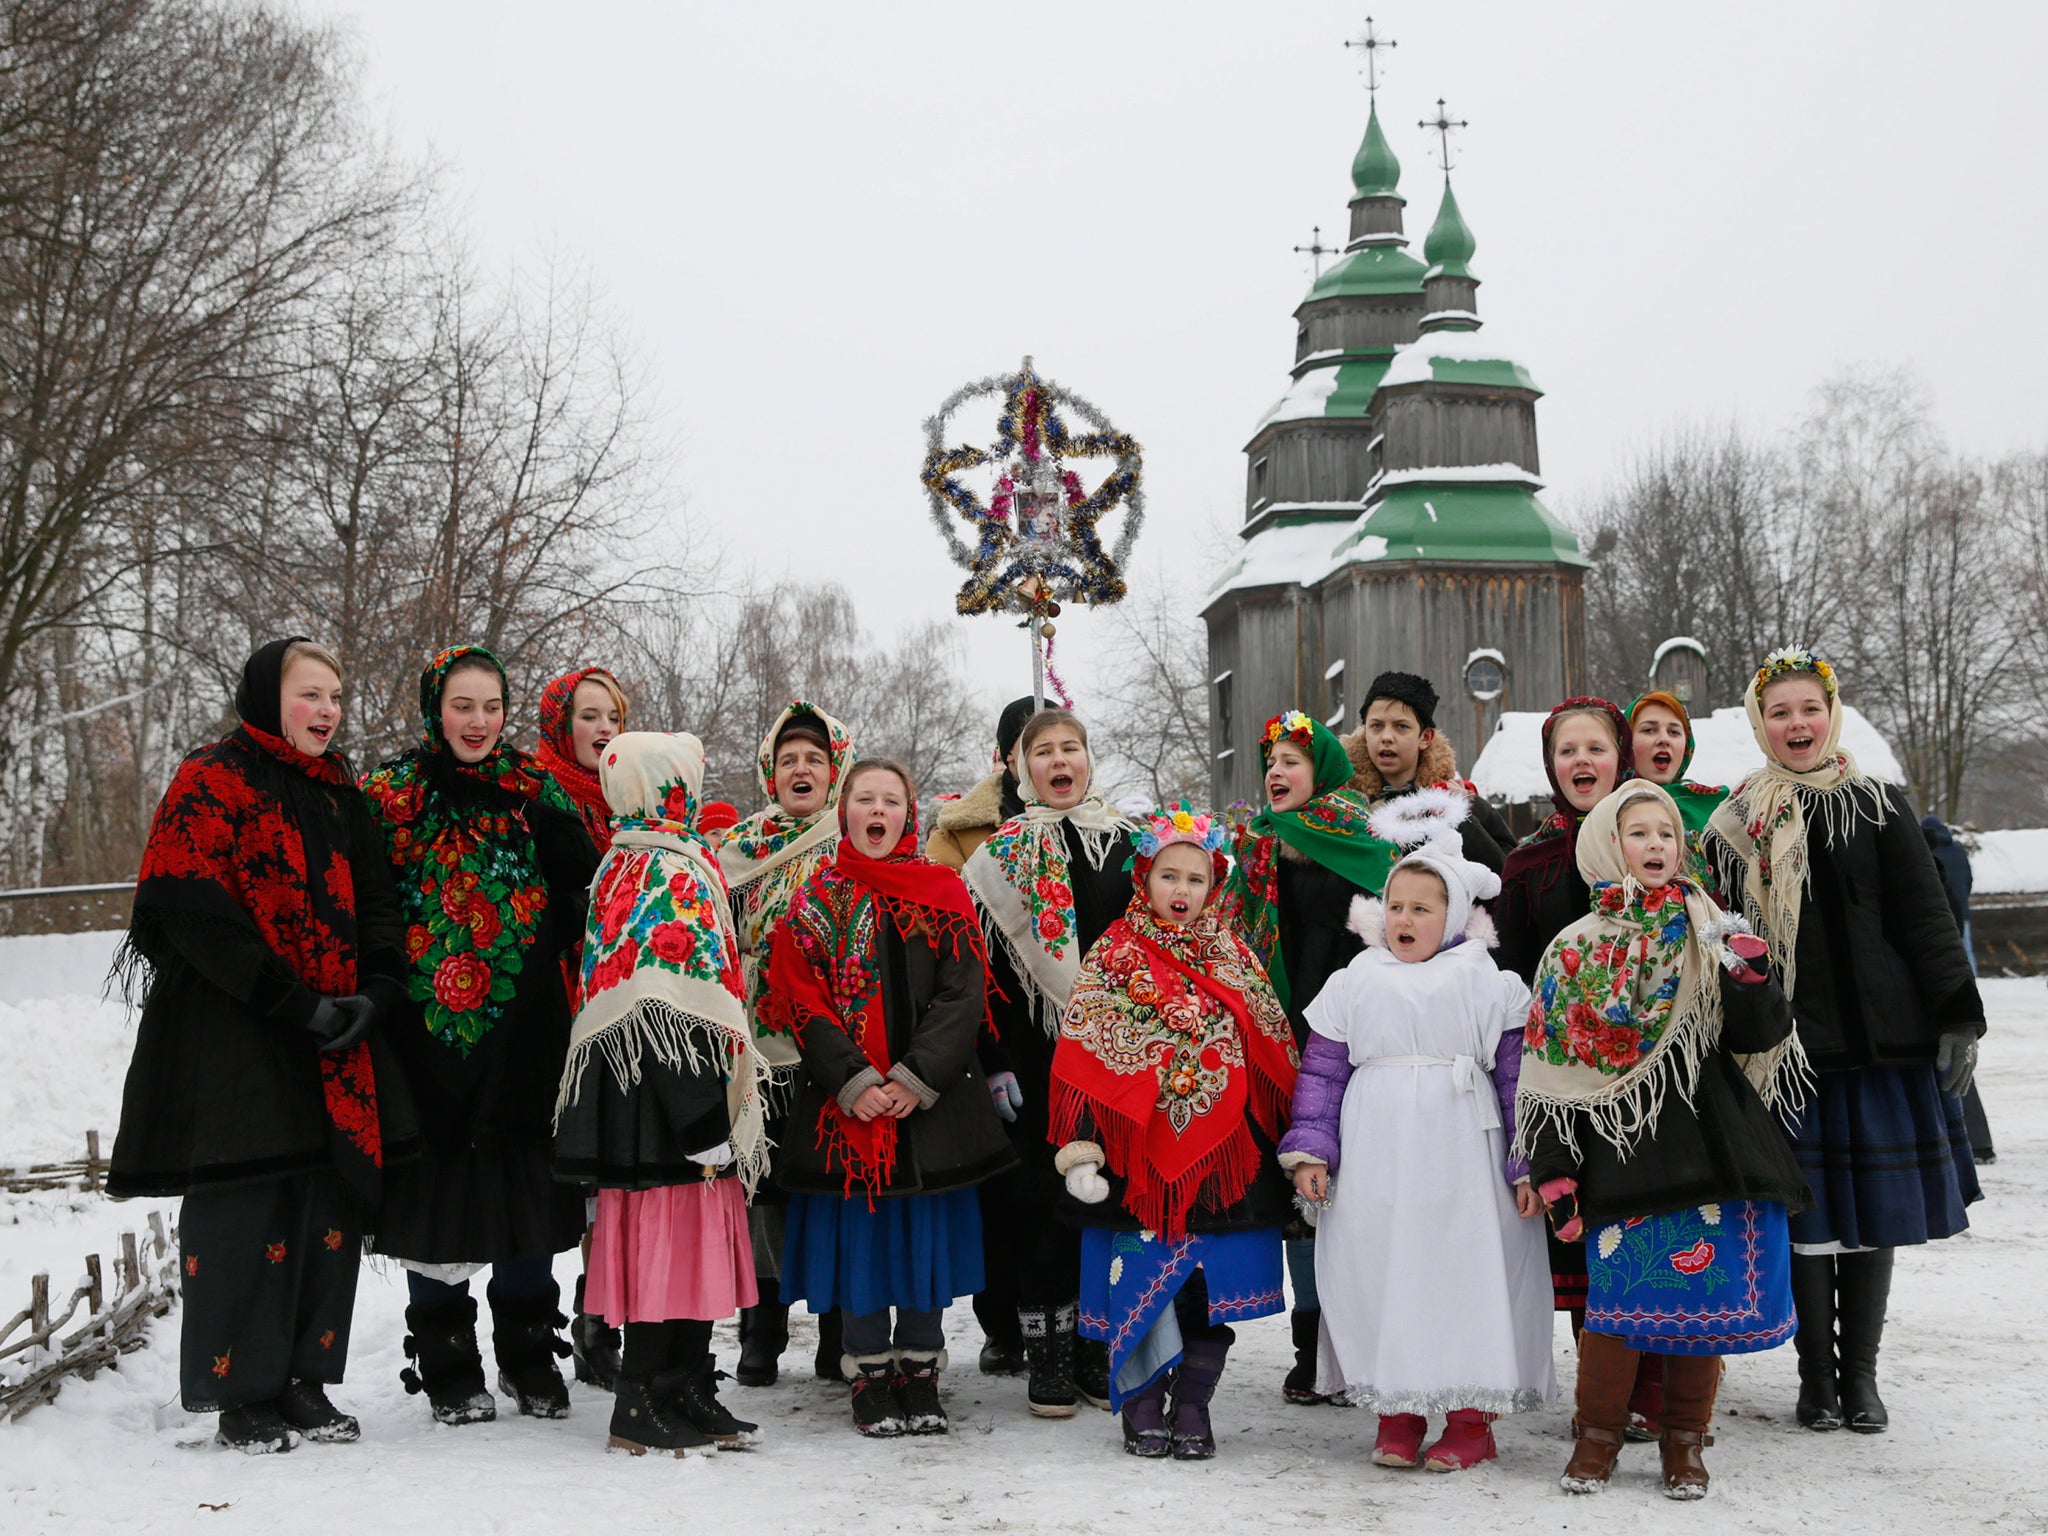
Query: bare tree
[1157,691]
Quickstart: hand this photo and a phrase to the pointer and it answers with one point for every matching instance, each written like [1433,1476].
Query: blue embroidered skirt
[1887,1156]
[1130,1279]
[1707,1280]
[918,1252]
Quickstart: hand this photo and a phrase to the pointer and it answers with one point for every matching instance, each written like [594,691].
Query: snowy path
[1966,1354]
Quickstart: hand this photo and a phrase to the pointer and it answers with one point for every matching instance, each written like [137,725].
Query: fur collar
[1437,765]
[980,809]
[1369,921]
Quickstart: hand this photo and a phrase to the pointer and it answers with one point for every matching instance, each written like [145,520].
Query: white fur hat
[1426,823]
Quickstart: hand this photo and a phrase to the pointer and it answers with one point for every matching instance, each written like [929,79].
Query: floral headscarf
[557,752]
[1695,802]
[1627,1000]
[1331,828]
[468,876]
[660,963]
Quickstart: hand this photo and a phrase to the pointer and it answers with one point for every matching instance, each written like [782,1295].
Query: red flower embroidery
[458,891]
[191,1263]
[1050,924]
[675,805]
[333,1239]
[327,1339]
[221,1363]
[673,942]
[462,982]
[274,1252]
[484,924]
[1694,1259]
[1569,959]
[419,938]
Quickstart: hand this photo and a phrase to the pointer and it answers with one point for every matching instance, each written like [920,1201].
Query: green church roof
[1340,387]
[1460,522]
[1370,269]
[1374,170]
[1449,245]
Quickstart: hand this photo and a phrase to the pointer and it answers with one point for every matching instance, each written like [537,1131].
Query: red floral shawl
[1174,1045]
[825,971]
[227,846]
[556,753]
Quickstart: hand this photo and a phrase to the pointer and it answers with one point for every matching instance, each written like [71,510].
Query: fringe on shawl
[1161,1204]
[679,1041]
[1042,1007]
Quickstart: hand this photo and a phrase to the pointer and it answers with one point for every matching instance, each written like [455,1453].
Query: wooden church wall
[1480,428]
[1308,463]
[1267,641]
[1327,327]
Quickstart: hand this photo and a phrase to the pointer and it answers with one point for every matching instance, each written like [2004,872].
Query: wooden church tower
[1391,514]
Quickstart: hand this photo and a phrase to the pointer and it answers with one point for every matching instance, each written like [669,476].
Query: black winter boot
[877,1412]
[1194,1384]
[643,1421]
[595,1344]
[1144,1416]
[1813,1297]
[1863,1286]
[1049,1347]
[1299,1386]
[524,1339]
[446,1363]
[830,1326]
[1091,1369]
[254,1429]
[764,1334]
[693,1388]
[917,1391]
[304,1406]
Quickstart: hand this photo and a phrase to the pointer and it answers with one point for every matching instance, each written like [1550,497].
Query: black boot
[917,1391]
[1091,1370]
[764,1334]
[643,1421]
[826,1365]
[877,1411]
[446,1363]
[693,1388]
[1049,1348]
[1863,1285]
[595,1345]
[1299,1385]
[1813,1297]
[1194,1384]
[255,1429]
[304,1406]
[524,1339]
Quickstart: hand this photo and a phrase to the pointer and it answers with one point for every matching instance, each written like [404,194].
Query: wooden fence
[36,1353]
[87,1173]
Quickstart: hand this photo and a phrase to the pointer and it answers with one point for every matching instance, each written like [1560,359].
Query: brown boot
[1691,1383]
[1607,1375]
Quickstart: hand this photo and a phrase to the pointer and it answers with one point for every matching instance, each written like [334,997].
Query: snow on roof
[1411,363]
[1305,397]
[1452,474]
[2009,861]
[1288,553]
[1510,767]
[1674,643]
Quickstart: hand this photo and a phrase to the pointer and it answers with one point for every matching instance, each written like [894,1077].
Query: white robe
[1435,1293]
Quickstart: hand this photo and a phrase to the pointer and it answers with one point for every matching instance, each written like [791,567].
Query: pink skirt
[662,1255]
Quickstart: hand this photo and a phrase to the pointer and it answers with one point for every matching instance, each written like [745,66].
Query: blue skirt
[1707,1280]
[1887,1156]
[1129,1281]
[917,1252]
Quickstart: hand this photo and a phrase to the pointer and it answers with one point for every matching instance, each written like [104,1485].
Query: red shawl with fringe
[1174,1046]
[825,973]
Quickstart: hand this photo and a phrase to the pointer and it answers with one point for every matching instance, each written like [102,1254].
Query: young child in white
[1434,1276]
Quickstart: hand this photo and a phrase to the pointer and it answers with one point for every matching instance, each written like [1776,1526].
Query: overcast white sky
[817,218]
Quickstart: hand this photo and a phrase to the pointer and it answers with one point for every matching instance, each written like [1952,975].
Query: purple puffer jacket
[1326,1072]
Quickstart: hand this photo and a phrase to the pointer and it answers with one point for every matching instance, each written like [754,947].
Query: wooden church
[1391,510]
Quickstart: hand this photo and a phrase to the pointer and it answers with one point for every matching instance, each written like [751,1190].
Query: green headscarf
[1330,829]
[1695,802]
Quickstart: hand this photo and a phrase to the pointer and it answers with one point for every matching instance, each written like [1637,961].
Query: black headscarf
[1009,726]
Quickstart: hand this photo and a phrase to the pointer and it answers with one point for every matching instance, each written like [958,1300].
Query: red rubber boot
[1467,1440]
[1400,1440]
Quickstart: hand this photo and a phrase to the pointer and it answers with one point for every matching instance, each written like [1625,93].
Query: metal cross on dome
[1443,125]
[1370,43]
[1317,249]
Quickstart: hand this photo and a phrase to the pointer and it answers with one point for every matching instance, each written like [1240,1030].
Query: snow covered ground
[1965,1357]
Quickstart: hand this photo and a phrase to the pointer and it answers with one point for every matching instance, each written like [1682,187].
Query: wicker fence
[37,1352]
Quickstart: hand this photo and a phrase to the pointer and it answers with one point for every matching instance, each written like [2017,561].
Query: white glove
[713,1157]
[1086,1183]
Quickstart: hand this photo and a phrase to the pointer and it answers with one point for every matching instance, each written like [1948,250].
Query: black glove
[339,1022]
[1955,1059]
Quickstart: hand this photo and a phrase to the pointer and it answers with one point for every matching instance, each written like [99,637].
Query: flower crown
[1180,824]
[1291,724]
[1790,659]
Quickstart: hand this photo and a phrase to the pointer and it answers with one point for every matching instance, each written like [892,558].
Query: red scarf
[237,840]
[1174,1046]
[825,972]
[557,754]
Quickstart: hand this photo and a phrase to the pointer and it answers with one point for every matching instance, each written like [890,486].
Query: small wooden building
[1391,514]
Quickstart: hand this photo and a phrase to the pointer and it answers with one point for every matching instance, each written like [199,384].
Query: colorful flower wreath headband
[1293,726]
[1790,659]
[1180,824]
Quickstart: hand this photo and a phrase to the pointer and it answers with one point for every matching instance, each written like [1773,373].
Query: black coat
[933,1005]
[225,1083]
[1022,1045]
[1528,918]
[641,1137]
[1315,943]
[1724,1145]
[1880,967]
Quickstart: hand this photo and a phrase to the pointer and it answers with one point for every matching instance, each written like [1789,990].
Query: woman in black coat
[1830,867]
[261,1088]
[493,869]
